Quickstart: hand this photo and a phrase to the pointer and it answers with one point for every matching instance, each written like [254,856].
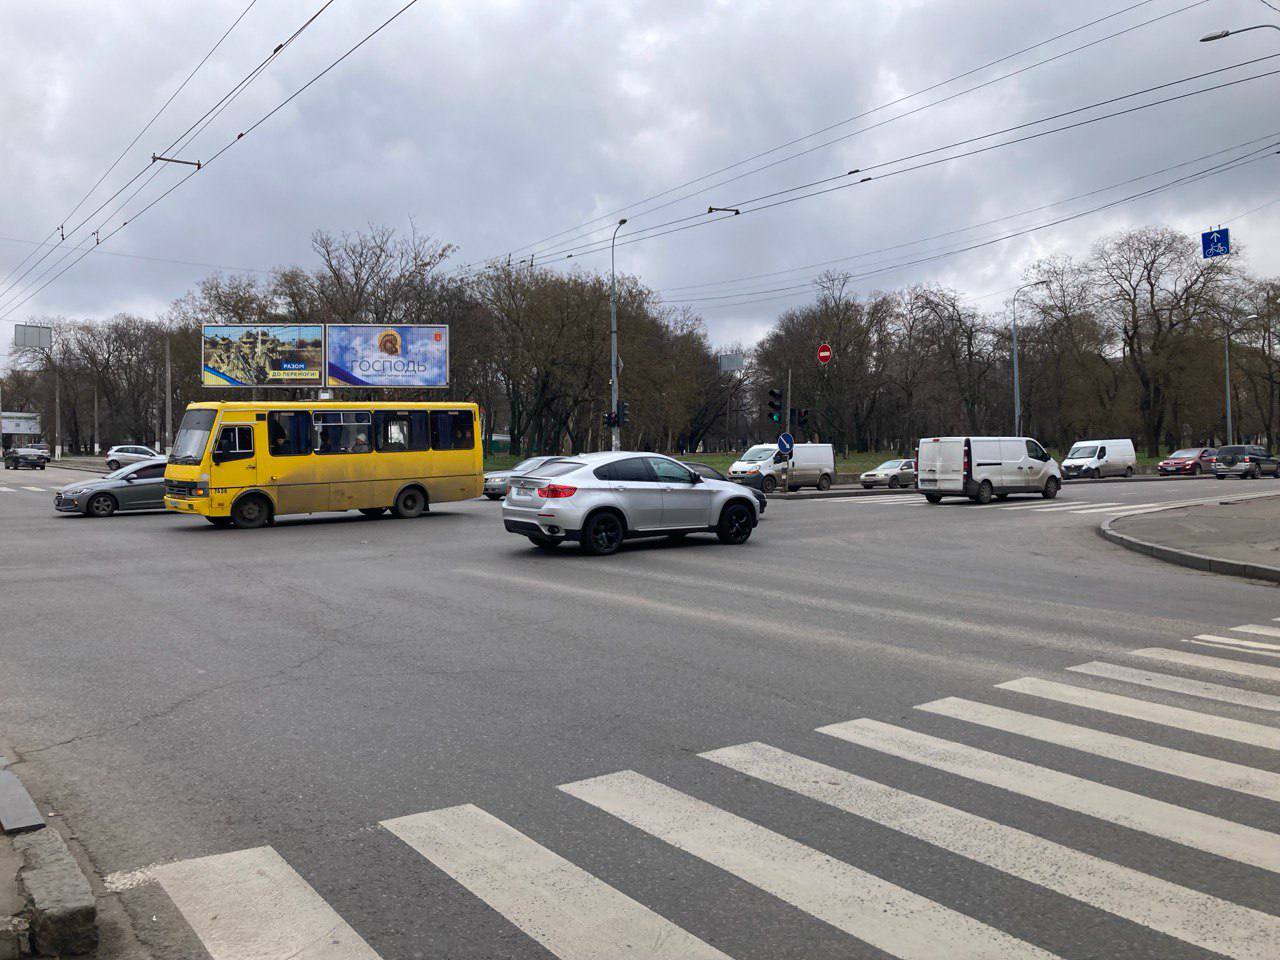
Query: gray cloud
[495,124]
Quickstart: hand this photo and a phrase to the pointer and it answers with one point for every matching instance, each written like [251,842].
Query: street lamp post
[1223,34]
[1017,389]
[613,340]
[1226,370]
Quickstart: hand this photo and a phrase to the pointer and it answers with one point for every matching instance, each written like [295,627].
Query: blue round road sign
[785,442]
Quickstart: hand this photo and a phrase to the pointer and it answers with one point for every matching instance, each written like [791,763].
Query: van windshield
[1082,453]
[193,436]
[761,452]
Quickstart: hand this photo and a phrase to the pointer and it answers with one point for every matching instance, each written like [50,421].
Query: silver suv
[601,499]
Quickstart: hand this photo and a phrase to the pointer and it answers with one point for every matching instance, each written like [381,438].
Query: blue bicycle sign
[1215,243]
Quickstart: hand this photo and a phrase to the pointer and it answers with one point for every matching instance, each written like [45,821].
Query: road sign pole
[787,428]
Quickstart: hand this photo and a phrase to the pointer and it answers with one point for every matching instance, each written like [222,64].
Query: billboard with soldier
[262,355]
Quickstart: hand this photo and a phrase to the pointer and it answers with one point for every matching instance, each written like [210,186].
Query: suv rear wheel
[602,534]
[735,523]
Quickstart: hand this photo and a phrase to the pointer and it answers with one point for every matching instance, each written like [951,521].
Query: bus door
[235,461]
[344,455]
[291,466]
[453,455]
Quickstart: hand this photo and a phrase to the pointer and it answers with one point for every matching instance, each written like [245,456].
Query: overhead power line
[858,116]
[179,142]
[138,136]
[207,163]
[702,219]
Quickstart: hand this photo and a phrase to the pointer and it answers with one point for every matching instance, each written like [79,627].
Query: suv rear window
[1230,451]
[556,469]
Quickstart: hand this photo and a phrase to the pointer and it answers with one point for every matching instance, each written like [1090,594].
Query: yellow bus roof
[248,405]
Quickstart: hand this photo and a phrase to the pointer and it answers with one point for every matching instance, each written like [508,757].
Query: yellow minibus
[248,463]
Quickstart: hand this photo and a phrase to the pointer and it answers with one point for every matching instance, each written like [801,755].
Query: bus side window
[288,433]
[452,430]
[392,431]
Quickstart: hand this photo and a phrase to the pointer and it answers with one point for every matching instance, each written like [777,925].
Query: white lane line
[7,490]
[34,489]
[868,501]
[1191,828]
[876,911]
[1175,684]
[1235,667]
[1036,505]
[1119,508]
[1178,763]
[251,905]
[1229,643]
[1198,918]
[570,912]
[1259,630]
[1193,721]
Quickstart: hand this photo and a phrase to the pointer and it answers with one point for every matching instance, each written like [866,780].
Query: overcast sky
[495,124]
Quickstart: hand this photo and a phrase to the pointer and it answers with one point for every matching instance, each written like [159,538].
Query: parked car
[138,486]
[117,457]
[812,465]
[1246,461]
[15,458]
[708,472]
[1192,461]
[1099,458]
[495,481]
[601,499]
[891,473]
[981,468]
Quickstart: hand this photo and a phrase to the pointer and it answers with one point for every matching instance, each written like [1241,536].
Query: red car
[1192,460]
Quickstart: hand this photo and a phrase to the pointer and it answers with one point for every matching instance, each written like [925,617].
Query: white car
[601,499]
[118,457]
[981,468]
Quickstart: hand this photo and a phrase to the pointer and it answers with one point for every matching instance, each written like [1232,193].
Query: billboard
[30,336]
[262,355]
[374,355]
[20,424]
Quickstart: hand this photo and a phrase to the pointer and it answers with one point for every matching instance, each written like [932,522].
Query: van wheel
[824,482]
[1128,471]
[410,503]
[373,511]
[985,492]
[602,534]
[769,484]
[1051,487]
[251,512]
[735,524]
[933,497]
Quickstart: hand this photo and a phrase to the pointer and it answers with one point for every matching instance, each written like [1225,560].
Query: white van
[812,465]
[1099,458]
[984,467]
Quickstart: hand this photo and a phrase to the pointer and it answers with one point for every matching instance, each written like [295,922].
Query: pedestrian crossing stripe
[567,910]
[1260,630]
[880,913]
[1191,828]
[1236,667]
[1177,763]
[1186,685]
[1232,643]
[1197,918]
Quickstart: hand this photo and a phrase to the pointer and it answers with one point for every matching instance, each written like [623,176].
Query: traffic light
[609,418]
[775,405]
[623,413]
[802,417]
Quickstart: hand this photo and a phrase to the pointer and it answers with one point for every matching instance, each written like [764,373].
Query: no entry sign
[824,354]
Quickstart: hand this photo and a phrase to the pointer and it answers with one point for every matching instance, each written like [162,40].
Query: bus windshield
[193,436]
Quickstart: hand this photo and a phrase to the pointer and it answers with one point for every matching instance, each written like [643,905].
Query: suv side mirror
[695,477]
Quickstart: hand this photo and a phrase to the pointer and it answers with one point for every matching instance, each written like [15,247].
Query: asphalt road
[407,739]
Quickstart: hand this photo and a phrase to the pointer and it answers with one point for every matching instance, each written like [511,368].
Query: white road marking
[1227,643]
[1175,684]
[1236,667]
[876,911]
[573,914]
[1036,505]
[1254,646]
[866,501]
[1191,828]
[1260,630]
[7,490]
[1198,918]
[251,905]
[1178,763]
[34,489]
[1119,508]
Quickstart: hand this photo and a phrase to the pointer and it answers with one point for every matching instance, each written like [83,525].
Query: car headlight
[76,492]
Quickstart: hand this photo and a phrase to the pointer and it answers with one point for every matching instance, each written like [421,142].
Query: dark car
[708,472]
[1191,461]
[15,458]
[138,486]
[1246,461]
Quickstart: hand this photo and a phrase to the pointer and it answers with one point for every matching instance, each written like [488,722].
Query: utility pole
[616,443]
[1017,390]
[787,429]
[1226,369]
[57,416]
[168,396]
[96,436]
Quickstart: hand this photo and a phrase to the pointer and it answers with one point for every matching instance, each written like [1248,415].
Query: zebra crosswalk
[252,905]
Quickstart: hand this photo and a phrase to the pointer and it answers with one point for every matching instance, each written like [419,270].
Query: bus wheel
[373,511]
[410,503]
[251,512]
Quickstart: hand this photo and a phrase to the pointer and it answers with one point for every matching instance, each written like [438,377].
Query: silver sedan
[601,499]
[891,473]
[117,457]
[496,481]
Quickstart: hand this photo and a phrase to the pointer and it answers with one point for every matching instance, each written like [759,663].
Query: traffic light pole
[787,475]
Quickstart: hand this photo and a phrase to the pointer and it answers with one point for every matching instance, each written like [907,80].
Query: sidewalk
[1237,537]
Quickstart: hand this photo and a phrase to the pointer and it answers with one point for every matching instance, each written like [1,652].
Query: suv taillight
[557,491]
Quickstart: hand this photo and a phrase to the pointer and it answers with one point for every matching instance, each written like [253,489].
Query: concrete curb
[62,911]
[1186,558]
